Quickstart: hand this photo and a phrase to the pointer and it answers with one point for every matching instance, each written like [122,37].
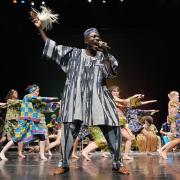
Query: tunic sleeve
[58,53]
[114,66]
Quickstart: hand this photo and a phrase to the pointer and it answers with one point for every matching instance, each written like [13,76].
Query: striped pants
[70,132]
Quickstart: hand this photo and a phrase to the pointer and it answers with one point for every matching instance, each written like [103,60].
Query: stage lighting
[43,2]
[89,1]
[104,1]
[22,1]
[15,1]
[32,3]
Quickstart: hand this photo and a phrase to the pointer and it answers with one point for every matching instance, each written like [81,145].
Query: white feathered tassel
[46,17]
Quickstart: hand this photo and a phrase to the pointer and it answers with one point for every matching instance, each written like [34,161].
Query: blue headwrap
[33,88]
[89,31]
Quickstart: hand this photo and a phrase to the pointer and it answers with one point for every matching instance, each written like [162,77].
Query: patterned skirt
[98,137]
[27,131]
[135,126]
[10,127]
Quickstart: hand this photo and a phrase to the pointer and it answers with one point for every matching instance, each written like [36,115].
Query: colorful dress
[132,116]
[178,123]
[133,102]
[31,124]
[12,116]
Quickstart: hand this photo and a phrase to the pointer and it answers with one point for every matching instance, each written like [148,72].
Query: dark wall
[144,37]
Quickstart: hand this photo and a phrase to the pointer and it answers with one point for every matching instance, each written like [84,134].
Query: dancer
[56,132]
[86,98]
[99,141]
[135,126]
[121,105]
[151,128]
[174,115]
[11,119]
[173,106]
[30,126]
[124,105]
[83,134]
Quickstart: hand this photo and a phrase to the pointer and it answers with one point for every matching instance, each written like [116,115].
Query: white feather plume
[46,17]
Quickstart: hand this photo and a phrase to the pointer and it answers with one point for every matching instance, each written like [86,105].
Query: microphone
[103,44]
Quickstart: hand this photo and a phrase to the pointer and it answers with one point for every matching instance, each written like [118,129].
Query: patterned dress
[86,97]
[32,119]
[132,116]
[12,115]
[178,124]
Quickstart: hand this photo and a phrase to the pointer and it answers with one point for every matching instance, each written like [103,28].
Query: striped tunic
[85,95]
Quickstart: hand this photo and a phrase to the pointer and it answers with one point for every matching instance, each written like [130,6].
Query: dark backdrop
[143,35]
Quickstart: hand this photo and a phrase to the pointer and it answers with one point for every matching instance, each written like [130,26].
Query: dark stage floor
[142,167]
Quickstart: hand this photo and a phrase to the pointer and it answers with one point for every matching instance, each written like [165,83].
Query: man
[86,98]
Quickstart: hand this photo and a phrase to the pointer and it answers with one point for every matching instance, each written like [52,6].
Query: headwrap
[89,31]
[33,88]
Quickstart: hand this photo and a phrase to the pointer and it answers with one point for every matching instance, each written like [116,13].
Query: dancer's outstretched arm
[148,102]
[151,112]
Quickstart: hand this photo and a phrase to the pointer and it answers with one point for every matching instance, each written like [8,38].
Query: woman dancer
[122,106]
[30,125]
[135,126]
[11,119]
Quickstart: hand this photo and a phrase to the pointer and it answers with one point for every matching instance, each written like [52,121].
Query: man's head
[87,32]
[92,38]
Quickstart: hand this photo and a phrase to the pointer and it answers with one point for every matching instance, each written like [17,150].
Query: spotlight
[89,1]
[15,1]
[121,0]
[43,2]
[22,1]
[104,1]
[32,3]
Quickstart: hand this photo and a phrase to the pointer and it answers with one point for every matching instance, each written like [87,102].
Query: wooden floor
[142,167]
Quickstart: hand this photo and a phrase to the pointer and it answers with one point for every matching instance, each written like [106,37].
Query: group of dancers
[88,106]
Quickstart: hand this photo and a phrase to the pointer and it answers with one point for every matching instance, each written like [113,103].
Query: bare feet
[49,153]
[105,155]
[21,155]
[3,157]
[86,156]
[126,157]
[164,155]
[159,151]
[149,153]
[75,156]
[43,157]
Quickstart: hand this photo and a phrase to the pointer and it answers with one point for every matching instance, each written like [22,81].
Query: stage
[142,167]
